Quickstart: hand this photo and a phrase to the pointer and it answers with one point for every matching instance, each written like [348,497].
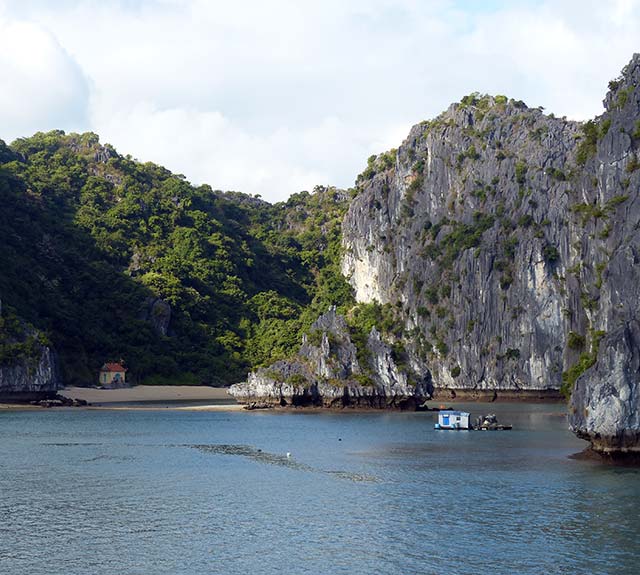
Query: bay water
[194,492]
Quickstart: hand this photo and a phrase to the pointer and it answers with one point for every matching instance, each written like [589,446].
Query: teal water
[174,492]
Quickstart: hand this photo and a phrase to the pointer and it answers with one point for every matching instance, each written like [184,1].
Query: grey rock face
[507,242]
[454,236]
[605,406]
[29,378]
[159,314]
[31,375]
[326,373]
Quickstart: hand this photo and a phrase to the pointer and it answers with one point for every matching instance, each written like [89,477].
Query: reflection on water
[164,492]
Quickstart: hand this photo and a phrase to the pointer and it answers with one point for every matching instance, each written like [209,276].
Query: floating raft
[459,420]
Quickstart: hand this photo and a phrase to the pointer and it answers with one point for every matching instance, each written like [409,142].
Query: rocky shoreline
[44,399]
[328,374]
[330,371]
[498,395]
[446,395]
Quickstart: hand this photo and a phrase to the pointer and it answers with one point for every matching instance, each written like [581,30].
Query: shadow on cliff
[55,277]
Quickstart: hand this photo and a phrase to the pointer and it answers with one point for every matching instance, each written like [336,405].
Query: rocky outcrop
[28,368]
[329,371]
[506,241]
[605,402]
[30,378]
[605,406]
[466,235]
[158,313]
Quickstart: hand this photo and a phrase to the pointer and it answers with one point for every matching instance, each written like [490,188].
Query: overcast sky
[273,97]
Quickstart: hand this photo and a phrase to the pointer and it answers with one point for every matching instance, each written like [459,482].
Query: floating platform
[481,428]
[459,420]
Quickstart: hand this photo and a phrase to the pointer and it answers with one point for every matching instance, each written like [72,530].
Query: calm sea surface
[174,492]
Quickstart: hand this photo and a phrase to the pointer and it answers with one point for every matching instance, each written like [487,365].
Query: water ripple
[174,493]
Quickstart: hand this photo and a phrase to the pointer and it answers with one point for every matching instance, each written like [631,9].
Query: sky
[276,97]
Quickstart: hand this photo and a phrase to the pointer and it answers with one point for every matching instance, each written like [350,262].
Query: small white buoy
[288,455]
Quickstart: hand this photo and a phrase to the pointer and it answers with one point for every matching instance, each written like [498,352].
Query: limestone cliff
[329,371]
[605,406]
[467,236]
[28,367]
[506,242]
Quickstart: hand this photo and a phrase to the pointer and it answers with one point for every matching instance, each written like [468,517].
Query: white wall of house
[453,419]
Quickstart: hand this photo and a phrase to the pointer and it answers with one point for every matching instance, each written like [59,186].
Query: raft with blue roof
[459,420]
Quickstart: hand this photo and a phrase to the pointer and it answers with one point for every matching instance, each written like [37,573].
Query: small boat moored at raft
[449,419]
[490,423]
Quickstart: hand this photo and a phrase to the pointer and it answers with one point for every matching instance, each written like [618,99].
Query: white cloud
[274,97]
[209,148]
[41,87]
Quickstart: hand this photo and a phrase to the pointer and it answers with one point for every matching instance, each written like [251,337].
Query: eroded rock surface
[327,373]
[506,240]
[30,376]
[605,406]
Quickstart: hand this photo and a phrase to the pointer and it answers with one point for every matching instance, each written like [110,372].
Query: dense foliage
[90,241]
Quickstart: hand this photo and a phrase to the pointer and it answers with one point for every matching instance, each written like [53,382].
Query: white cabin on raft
[449,419]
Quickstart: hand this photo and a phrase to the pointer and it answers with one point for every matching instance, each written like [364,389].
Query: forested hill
[114,259]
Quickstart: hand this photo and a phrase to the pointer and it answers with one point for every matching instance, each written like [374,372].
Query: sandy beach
[167,396]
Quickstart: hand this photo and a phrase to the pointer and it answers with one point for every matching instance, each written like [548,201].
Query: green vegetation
[363,318]
[525,220]
[476,99]
[506,278]
[600,267]
[550,254]
[557,174]
[461,237]
[297,379]
[413,187]
[512,353]
[588,145]
[521,172]
[575,341]
[623,96]
[471,153]
[18,341]
[586,360]
[615,84]
[633,164]
[377,164]
[588,211]
[362,379]
[90,240]
[614,202]
[596,211]
[442,347]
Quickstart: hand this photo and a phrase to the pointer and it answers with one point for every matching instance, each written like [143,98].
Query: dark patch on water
[265,457]
[80,444]
[108,457]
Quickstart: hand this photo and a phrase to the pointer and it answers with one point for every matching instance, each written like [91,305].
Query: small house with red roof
[112,375]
